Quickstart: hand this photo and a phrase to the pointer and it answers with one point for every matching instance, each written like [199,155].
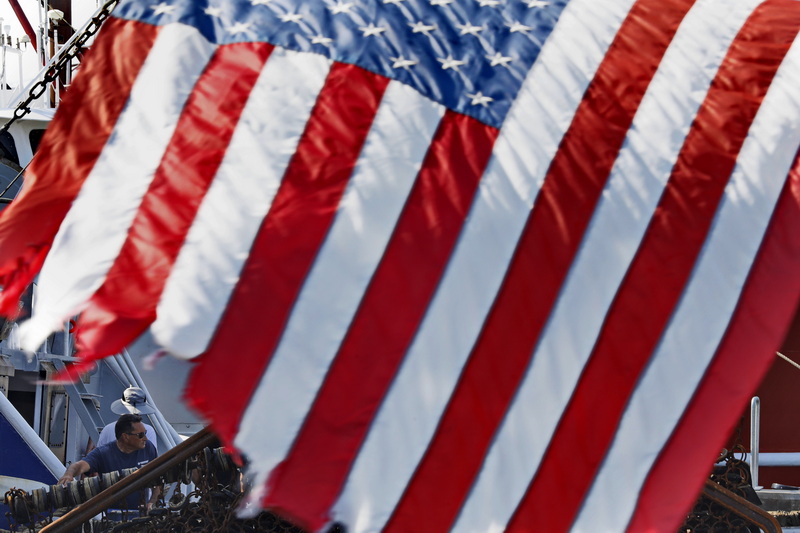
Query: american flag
[443,265]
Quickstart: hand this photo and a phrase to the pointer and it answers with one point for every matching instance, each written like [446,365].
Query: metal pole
[66,339]
[144,477]
[755,422]
[114,366]
[26,25]
[132,382]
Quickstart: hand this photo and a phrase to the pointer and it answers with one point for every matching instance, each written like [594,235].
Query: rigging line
[797,366]
[4,200]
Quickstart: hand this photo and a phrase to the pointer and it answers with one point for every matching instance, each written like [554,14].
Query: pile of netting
[203,494]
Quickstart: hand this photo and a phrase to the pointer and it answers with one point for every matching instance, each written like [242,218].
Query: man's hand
[73,471]
[154,497]
[66,478]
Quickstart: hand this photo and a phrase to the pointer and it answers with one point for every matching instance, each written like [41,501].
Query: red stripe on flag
[29,224]
[543,257]
[125,305]
[285,247]
[307,482]
[768,302]
[655,279]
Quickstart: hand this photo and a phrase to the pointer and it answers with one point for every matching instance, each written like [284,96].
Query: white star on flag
[292,17]
[450,63]
[163,8]
[480,99]
[213,11]
[536,3]
[371,30]
[401,62]
[498,59]
[421,27]
[469,29]
[518,27]
[441,2]
[239,27]
[321,39]
[341,7]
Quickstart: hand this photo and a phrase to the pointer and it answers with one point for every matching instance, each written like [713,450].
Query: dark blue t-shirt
[109,458]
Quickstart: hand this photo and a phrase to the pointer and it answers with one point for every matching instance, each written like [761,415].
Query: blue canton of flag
[469,56]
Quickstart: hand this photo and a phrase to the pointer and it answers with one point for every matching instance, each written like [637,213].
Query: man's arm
[74,470]
[154,497]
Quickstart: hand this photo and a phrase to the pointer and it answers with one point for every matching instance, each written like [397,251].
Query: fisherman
[130,450]
[134,401]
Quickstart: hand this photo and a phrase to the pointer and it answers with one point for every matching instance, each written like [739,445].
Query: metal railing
[755,427]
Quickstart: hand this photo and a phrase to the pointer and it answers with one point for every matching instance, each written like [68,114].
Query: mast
[23,20]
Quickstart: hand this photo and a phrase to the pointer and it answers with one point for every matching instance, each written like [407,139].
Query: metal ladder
[83,402]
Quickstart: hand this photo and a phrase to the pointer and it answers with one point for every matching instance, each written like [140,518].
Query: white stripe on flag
[372,202]
[109,199]
[623,213]
[231,213]
[709,301]
[511,183]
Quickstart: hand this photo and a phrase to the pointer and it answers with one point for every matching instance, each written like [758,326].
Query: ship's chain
[66,55]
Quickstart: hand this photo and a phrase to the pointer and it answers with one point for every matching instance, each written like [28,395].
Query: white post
[755,421]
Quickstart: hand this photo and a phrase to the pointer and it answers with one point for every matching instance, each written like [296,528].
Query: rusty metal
[728,502]
[741,507]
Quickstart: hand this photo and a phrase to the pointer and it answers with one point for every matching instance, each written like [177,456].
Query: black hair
[125,424]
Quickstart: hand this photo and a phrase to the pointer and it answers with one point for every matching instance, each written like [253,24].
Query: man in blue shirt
[130,450]
[133,401]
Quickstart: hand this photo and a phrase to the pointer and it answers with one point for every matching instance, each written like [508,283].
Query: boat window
[9,184]
[35,136]
[22,394]
[58,419]
[8,149]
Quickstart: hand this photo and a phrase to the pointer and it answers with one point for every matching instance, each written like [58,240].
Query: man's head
[133,401]
[130,431]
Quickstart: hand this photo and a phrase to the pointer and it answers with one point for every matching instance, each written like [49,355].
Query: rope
[797,366]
